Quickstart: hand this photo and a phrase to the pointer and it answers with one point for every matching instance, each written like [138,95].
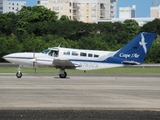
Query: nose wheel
[19,73]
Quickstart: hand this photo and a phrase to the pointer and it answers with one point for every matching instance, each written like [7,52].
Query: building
[113,8]
[155,12]
[11,6]
[155,9]
[140,21]
[82,10]
[127,12]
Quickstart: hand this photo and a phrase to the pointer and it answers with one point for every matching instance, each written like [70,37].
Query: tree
[131,27]
[154,53]
[153,26]
[8,23]
[64,18]
[36,14]
[9,45]
[33,43]
[32,15]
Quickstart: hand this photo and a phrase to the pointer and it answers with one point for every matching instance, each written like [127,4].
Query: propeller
[34,61]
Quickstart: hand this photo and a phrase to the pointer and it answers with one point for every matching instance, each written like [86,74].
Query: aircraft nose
[6,57]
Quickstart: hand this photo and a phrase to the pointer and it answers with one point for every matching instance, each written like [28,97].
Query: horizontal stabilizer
[130,63]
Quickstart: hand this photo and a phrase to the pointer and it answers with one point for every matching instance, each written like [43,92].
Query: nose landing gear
[19,73]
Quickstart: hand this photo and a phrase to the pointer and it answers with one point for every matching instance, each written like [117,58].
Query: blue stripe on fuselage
[108,60]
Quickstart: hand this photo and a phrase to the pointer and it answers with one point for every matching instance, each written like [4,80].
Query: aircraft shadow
[62,78]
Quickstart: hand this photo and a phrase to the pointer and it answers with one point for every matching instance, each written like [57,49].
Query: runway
[80,92]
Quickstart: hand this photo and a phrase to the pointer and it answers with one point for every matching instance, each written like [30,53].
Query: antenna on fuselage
[59,45]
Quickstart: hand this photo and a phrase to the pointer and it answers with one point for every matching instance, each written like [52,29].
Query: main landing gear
[19,74]
[62,73]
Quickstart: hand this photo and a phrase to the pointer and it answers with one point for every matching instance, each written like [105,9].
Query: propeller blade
[34,62]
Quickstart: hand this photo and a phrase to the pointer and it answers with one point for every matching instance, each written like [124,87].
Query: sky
[142,6]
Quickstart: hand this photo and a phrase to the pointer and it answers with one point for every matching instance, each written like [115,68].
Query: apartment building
[127,12]
[11,6]
[1,6]
[82,10]
[155,12]
[155,9]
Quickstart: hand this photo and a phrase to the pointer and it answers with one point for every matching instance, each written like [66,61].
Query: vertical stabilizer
[135,51]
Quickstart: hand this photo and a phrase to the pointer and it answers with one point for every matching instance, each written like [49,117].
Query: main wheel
[63,75]
[19,74]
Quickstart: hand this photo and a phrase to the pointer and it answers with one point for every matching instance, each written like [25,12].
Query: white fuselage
[27,59]
[82,59]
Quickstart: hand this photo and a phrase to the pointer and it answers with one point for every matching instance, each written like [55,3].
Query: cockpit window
[45,51]
[53,53]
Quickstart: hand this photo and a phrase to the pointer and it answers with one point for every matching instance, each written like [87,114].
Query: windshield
[45,51]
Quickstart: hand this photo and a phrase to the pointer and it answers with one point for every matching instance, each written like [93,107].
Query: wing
[65,64]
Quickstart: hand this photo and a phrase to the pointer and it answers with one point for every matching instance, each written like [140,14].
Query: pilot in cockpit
[54,53]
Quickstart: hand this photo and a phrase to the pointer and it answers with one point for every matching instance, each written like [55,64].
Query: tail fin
[135,51]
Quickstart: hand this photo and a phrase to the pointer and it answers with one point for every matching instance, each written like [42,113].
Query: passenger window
[96,56]
[90,55]
[74,53]
[83,54]
[66,53]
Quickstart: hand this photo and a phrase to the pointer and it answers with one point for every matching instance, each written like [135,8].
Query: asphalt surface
[37,96]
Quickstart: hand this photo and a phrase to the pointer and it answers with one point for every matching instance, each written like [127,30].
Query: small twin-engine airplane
[132,53]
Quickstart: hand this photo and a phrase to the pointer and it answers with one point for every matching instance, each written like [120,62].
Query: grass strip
[123,70]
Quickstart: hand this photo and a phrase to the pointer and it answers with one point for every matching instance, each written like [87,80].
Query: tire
[19,74]
[63,75]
